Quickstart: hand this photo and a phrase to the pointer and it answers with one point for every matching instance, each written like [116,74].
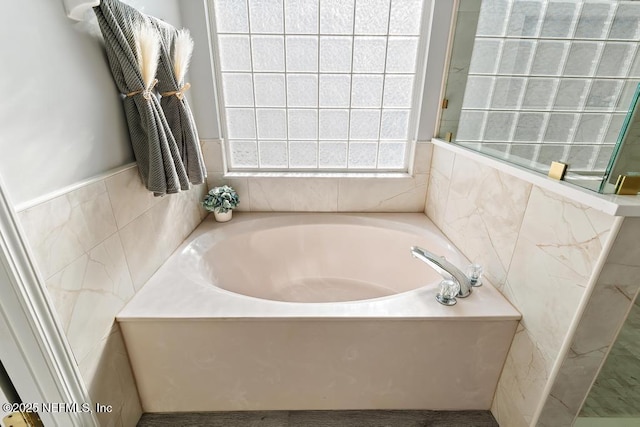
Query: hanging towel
[175,106]
[154,146]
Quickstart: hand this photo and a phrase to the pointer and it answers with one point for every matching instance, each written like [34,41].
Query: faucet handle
[474,273]
[448,291]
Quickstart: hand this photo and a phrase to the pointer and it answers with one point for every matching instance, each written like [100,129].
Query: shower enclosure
[536,81]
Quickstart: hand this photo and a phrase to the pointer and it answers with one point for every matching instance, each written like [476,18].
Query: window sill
[340,175]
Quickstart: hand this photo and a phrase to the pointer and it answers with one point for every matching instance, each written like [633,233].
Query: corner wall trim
[573,326]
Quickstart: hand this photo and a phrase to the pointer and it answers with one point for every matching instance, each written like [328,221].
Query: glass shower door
[536,81]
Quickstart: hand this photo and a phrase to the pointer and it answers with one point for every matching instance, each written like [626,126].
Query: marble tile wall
[325,194]
[610,301]
[95,247]
[538,248]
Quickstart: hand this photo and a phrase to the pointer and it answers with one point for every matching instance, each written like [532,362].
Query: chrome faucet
[445,269]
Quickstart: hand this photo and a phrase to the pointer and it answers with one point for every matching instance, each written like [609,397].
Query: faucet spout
[444,268]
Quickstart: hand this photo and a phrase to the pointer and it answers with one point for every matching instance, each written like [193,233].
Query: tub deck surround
[325,364]
[181,288]
[197,347]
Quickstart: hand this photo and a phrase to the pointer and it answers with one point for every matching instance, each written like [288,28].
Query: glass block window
[551,80]
[320,85]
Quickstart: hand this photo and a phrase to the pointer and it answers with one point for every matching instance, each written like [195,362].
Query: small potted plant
[221,201]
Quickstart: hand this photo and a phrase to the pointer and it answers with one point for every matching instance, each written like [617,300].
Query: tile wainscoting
[555,259]
[95,246]
[324,194]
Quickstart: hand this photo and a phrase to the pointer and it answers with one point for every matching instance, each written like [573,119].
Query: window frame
[432,15]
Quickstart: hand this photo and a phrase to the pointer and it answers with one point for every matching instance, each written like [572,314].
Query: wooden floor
[616,392]
[322,419]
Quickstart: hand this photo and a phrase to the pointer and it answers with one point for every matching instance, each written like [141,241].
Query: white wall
[61,117]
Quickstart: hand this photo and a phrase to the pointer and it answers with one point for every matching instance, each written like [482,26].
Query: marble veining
[605,312]
[382,194]
[82,243]
[109,379]
[540,249]
[575,375]
[64,228]
[287,194]
[128,196]
[613,294]
[325,194]
[556,251]
[283,194]
[439,181]
[102,288]
[483,214]
[522,382]
[146,248]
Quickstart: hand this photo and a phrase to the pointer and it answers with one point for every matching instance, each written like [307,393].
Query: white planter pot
[223,216]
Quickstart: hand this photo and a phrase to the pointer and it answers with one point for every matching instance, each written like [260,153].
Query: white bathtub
[313,311]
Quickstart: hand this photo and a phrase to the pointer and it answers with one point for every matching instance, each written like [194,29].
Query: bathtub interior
[308,265]
[317,262]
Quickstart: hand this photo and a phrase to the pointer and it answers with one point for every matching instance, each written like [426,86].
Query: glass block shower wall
[551,80]
[317,84]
